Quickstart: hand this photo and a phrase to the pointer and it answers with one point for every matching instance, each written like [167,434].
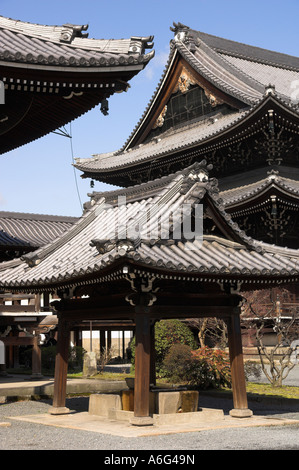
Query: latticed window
[183,107]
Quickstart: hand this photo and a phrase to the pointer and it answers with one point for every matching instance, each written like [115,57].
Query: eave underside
[40,102]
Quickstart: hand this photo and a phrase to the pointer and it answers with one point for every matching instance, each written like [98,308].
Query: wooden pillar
[142,370]
[61,365]
[123,349]
[36,359]
[240,409]
[109,340]
[153,355]
[102,341]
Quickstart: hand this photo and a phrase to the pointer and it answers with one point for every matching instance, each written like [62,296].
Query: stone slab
[100,404]
[168,402]
[86,422]
[197,417]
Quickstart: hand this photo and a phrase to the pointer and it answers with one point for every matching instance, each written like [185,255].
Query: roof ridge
[35,216]
[55,33]
[228,51]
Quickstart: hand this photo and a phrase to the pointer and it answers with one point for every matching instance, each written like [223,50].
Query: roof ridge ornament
[71,31]
[270,90]
[180,31]
[140,43]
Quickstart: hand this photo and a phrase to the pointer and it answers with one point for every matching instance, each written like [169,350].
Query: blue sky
[39,176]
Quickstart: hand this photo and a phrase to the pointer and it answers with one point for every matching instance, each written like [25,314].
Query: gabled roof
[190,141]
[96,248]
[54,74]
[239,70]
[247,79]
[31,231]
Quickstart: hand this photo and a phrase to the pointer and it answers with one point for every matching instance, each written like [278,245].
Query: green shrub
[48,357]
[177,362]
[167,333]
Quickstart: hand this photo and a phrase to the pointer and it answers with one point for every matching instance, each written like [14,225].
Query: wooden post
[102,341]
[153,355]
[123,349]
[109,339]
[142,370]
[36,359]
[61,365]
[240,409]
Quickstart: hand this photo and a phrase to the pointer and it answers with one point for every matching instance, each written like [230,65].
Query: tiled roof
[171,141]
[94,248]
[31,230]
[244,193]
[54,74]
[241,71]
[67,45]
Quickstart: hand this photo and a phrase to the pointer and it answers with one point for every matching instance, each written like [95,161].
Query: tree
[270,309]
[211,331]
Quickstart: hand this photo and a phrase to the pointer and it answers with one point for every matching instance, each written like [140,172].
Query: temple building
[234,105]
[206,179]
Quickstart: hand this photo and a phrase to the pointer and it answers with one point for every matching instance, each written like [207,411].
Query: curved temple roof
[96,247]
[53,74]
[245,76]
[67,45]
[31,230]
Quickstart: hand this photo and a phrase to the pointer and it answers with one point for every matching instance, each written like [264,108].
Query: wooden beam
[18,341]
[17,309]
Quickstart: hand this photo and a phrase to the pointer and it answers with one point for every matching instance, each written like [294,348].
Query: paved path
[27,424]
[79,432]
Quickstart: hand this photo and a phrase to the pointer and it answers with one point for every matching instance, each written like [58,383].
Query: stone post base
[142,421]
[36,376]
[241,413]
[58,410]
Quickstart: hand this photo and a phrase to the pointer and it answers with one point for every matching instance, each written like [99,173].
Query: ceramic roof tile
[67,45]
[31,230]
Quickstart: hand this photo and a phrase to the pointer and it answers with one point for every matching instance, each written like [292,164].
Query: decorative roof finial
[180,31]
[71,31]
[270,90]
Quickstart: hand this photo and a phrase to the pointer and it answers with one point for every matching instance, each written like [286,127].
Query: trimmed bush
[177,361]
[168,333]
[48,356]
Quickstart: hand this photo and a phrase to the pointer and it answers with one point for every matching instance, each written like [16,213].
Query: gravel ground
[29,436]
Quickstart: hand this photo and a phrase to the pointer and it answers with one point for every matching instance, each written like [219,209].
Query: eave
[53,75]
[122,166]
